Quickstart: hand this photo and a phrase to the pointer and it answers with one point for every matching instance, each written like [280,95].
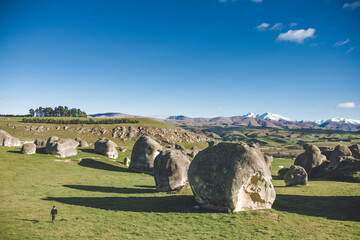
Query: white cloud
[2,97]
[262,26]
[350,50]
[258,1]
[337,44]
[293,24]
[353,5]
[346,105]
[297,36]
[277,27]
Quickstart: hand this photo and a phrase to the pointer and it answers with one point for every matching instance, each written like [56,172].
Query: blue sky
[297,58]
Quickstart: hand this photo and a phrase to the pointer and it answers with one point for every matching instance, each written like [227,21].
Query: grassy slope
[31,184]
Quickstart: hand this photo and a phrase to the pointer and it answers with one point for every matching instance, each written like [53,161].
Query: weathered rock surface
[61,147]
[143,155]
[106,147]
[296,176]
[7,140]
[282,172]
[28,148]
[82,143]
[327,152]
[231,177]
[355,150]
[339,154]
[310,160]
[127,161]
[171,170]
[40,145]
[268,160]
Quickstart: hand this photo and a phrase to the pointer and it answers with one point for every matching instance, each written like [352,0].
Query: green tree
[32,112]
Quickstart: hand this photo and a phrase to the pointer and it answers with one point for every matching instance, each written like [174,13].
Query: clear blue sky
[297,58]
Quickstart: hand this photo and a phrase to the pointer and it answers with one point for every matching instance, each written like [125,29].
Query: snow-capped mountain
[339,120]
[268,116]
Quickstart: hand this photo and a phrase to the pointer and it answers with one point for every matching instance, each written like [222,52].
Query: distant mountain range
[270,120]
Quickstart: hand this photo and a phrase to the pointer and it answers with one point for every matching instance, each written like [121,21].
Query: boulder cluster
[315,163]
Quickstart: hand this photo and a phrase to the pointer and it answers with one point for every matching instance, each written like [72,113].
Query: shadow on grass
[88,150]
[28,220]
[110,189]
[145,186]
[91,163]
[345,208]
[182,203]
[19,152]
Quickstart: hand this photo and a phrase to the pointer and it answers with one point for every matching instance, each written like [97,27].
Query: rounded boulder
[106,147]
[61,147]
[231,177]
[143,155]
[171,170]
[310,159]
[28,148]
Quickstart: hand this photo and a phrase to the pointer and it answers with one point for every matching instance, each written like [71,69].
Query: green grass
[113,203]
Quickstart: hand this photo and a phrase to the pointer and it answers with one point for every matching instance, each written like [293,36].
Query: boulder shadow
[91,163]
[181,204]
[145,186]
[87,150]
[110,189]
[11,151]
[344,208]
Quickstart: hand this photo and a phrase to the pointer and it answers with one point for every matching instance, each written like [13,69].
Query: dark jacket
[53,212]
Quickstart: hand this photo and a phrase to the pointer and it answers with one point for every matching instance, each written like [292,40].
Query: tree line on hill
[60,111]
[79,121]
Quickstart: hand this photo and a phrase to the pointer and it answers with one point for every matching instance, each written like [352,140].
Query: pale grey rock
[355,150]
[61,147]
[231,177]
[310,160]
[106,147]
[339,154]
[296,176]
[171,170]
[82,143]
[7,140]
[127,161]
[28,148]
[143,155]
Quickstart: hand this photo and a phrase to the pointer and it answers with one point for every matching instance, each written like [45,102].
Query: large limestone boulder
[338,155]
[40,145]
[231,177]
[28,148]
[310,160]
[107,148]
[296,176]
[61,147]
[171,170]
[355,150]
[7,140]
[143,155]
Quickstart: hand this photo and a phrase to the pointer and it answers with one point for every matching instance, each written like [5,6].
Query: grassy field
[271,137]
[100,199]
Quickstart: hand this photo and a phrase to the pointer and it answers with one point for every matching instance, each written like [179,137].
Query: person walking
[53,214]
